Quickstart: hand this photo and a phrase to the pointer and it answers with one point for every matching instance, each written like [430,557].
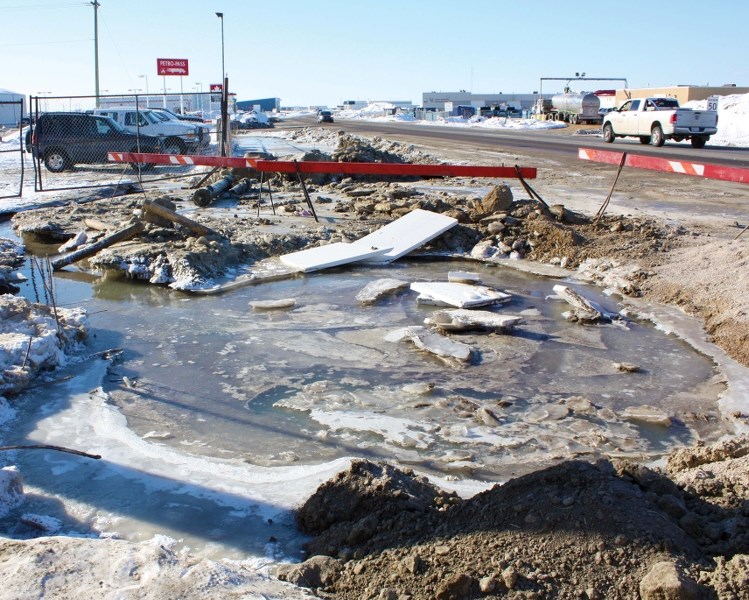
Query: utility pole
[96,5]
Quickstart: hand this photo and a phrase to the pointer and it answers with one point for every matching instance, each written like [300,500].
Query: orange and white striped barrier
[654,163]
[345,168]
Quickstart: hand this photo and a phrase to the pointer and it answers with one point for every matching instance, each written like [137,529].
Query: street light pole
[199,89]
[220,15]
[96,6]
[224,93]
[146,78]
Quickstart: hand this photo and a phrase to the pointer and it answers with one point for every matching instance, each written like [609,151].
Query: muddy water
[209,376]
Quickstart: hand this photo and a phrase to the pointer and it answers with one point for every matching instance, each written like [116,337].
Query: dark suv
[63,140]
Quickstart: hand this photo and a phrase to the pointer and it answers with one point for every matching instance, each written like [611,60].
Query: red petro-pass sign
[172,66]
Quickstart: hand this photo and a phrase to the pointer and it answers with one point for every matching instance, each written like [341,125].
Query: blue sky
[321,52]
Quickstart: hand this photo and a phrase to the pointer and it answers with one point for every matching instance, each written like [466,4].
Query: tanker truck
[570,107]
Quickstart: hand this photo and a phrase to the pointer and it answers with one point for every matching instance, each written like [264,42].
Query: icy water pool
[218,417]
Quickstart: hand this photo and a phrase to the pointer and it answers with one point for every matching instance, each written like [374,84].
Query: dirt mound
[575,530]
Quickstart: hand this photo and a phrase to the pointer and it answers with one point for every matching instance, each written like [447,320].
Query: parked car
[63,140]
[167,115]
[182,116]
[325,116]
[179,137]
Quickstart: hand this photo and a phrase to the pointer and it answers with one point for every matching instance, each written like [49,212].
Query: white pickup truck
[654,120]
[178,137]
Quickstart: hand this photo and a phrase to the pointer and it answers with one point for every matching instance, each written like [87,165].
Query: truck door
[646,117]
[629,115]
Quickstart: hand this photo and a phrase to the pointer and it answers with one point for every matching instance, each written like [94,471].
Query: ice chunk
[439,345]
[379,288]
[461,319]
[279,304]
[460,295]
[646,414]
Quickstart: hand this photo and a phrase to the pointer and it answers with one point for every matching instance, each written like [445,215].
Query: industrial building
[261,104]
[12,107]
[437,101]
[683,93]
[449,101]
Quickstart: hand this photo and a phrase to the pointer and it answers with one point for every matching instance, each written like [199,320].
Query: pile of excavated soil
[575,530]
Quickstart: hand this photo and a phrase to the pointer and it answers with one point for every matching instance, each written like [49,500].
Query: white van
[178,137]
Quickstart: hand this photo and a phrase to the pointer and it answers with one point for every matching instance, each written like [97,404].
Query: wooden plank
[161,211]
[91,249]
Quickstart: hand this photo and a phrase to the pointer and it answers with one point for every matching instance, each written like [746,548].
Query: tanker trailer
[576,107]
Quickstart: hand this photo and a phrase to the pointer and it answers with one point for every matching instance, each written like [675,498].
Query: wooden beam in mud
[91,249]
[97,225]
[170,215]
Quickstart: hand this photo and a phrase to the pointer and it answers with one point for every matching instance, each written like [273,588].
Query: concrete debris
[462,319]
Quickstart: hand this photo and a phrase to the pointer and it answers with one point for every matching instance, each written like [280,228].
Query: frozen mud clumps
[33,338]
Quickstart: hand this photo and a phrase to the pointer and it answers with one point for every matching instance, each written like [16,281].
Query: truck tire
[608,133]
[56,160]
[644,139]
[174,146]
[698,141]
[656,136]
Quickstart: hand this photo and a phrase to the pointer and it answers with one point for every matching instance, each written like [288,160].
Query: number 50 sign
[712,103]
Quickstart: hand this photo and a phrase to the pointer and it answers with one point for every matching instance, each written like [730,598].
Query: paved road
[554,143]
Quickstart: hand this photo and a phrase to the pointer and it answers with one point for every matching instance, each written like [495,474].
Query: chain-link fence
[71,136]
[12,126]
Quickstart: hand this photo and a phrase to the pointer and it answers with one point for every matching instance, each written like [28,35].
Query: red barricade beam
[654,163]
[346,168]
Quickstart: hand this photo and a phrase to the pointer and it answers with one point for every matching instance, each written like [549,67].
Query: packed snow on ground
[733,119]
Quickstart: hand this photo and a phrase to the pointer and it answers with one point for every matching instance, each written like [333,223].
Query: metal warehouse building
[437,100]
[265,104]
[12,107]
[683,93]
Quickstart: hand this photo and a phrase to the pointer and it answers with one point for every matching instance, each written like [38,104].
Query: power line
[42,6]
[37,43]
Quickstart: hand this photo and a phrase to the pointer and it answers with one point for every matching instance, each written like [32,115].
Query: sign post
[173,67]
[178,67]
[712,103]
